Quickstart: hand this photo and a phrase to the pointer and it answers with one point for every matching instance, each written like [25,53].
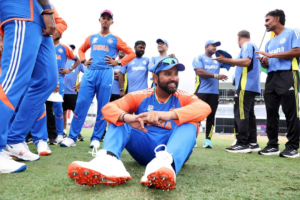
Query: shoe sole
[239,151]
[22,168]
[256,150]
[63,145]
[163,178]
[87,177]
[45,153]
[270,154]
[23,158]
[286,156]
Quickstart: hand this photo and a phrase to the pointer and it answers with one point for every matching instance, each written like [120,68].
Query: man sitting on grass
[164,117]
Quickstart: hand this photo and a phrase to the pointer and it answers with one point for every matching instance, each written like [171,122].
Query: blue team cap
[161,40]
[212,42]
[226,55]
[167,63]
[72,46]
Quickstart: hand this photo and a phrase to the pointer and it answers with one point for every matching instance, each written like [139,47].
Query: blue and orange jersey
[105,45]
[188,107]
[62,54]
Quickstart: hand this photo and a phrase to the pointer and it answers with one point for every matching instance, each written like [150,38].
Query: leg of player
[58,112]
[253,131]
[51,128]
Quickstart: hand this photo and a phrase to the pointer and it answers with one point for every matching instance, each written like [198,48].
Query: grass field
[209,174]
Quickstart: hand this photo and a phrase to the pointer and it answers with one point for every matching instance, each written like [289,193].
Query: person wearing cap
[161,134]
[207,84]
[134,75]
[98,78]
[72,85]
[247,86]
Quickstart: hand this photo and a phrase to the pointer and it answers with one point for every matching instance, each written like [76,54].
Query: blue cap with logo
[161,40]
[167,63]
[226,55]
[212,42]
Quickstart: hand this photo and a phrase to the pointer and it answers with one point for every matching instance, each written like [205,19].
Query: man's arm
[121,83]
[284,55]
[244,62]
[199,70]
[81,51]
[126,49]
[48,17]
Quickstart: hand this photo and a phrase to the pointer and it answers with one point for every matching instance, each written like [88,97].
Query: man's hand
[50,25]
[56,89]
[56,35]
[1,48]
[76,87]
[264,61]
[172,55]
[116,75]
[268,55]
[156,117]
[222,77]
[122,93]
[88,62]
[133,121]
[64,71]
[111,61]
[220,59]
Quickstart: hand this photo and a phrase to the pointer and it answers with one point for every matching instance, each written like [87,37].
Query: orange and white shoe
[104,169]
[43,148]
[159,172]
[20,151]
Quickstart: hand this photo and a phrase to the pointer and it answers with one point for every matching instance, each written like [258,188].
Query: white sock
[65,130]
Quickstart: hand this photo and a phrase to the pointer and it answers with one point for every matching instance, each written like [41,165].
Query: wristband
[47,13]
[83,61]
[71,69]
[216,76]
[123,116]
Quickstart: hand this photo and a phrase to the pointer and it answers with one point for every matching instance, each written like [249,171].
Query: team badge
[132,63]
[95,40]
[150,108]
[110,41]
[60,50]
[215,61]
[144,62]
[282,41]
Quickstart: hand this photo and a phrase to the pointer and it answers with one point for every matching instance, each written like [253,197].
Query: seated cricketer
[160,135]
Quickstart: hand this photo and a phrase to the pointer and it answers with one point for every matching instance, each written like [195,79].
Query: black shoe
[238,148]
[269,151]
[29,140]
[65,135]
[289,153]
[80,138]
[254,148]
[52,141]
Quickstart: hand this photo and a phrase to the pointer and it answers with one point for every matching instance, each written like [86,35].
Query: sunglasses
[166,62]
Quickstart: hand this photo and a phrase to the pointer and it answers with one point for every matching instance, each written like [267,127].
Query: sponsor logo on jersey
[110,41]
[138,68]
[144,62]
[278,50]
[95,40]
[211,66]
[282,41]
[133,62]
[150,108]
[101,48]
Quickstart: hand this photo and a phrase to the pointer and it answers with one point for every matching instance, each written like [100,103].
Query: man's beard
[139,53]
[165,87]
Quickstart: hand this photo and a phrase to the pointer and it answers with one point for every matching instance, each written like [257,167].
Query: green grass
[209,174]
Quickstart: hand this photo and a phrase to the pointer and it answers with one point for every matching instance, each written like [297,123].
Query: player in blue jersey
[247,86]
[281,58]
[28,68]
[134,75]
[164,117]
[99,77]
[207,84]
[116,89]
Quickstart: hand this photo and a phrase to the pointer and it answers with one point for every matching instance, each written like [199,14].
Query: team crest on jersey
[173,108]
[95,40]
[60,50]
[282,41]
[144,62]
[110,41]
[215,61]
[132,63]
[150,108]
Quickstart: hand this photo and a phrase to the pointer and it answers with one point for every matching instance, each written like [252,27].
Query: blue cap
[212,42]
[72,45]
[226,55]
[161,40]
[167,63]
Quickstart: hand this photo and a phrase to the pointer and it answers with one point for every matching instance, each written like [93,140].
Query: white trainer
[8,165]
[43,148]
[20,151]
[95,144]
[104,169]
[159,172]
[234,143]
[59,139]
[68,142]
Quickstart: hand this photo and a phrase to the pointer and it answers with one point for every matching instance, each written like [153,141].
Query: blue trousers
[179,141]
[58,109]
[99,82]
[39,128]
[28,67]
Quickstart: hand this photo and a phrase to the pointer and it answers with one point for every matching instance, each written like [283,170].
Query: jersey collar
[104,35]
[159,101]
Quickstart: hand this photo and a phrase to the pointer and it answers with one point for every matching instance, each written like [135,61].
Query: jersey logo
[58,57]
[211,66]
[278,50]
[95,40]
[215,61]
[282,41]
[166,125]
[150,108]
[144,62]
[173,108]
[60,50]
[139,68]
[110,41]
[132,63]
[101,48]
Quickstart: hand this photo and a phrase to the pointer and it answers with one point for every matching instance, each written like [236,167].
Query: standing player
[134,76]
[282,61]
[207,84]
[247,86]
[116,89]
[27,44]
[164,117]
[72,85]
[98,79]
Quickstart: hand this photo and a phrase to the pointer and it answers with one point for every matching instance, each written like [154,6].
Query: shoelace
[94,151]
[161,145]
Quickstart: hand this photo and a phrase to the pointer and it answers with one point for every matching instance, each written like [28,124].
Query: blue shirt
[72,79]
[248,78]
[116,88]
[287,40]
[63,52]
[137,74]
[206,85]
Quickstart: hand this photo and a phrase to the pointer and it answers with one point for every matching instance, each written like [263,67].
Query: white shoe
[104,169]
[59,139]
[234,143]
[68,142]
[43,148]
[20,151]
[159,172]
[95,144]
[8,165]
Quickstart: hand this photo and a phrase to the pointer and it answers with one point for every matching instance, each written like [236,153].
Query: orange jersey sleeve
[192,110]
[84,47]
[126,49]
[61,25]
[69,52]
